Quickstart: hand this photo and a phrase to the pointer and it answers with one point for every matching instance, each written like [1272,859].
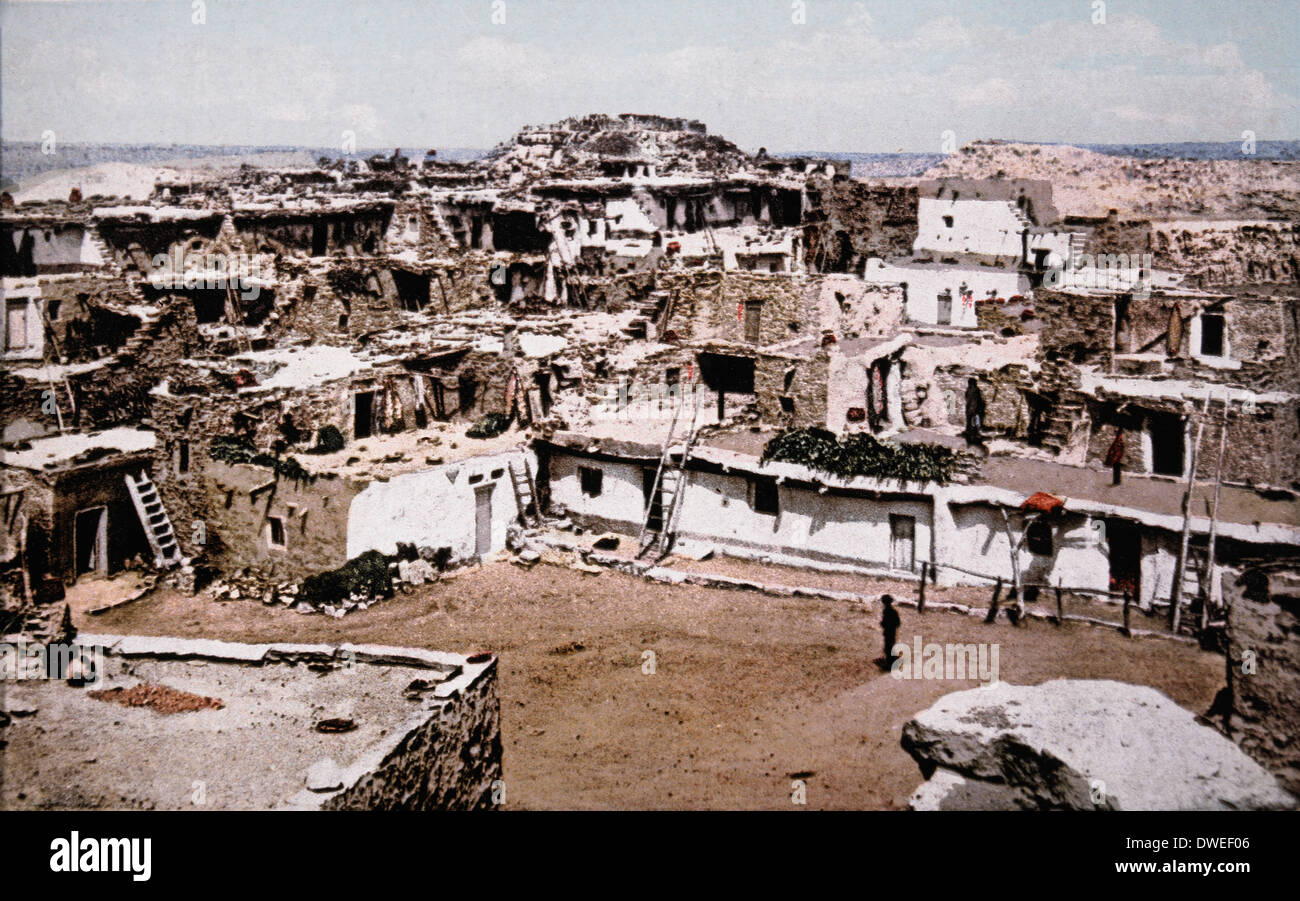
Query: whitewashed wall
[27,293]
[435,507]
[990,227]
[854,530]
[926,283]
[980,544]
[621,499]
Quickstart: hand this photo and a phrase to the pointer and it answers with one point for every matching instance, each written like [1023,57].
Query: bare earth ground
[751,690]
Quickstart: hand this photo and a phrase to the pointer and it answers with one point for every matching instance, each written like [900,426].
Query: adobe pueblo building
[306,384]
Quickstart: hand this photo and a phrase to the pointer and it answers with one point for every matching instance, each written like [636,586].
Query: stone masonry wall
[451,761]
[1263,666]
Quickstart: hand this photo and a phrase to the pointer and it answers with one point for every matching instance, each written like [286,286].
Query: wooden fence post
[920,600]
[993,607]
[1127,599]
[1060,607]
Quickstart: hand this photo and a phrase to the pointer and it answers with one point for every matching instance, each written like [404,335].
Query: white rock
[1067,742]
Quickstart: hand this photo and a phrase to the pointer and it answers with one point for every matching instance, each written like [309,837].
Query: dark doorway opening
[91,537]
[320,232]
[1168,440]
[468,394]
[364,414]
[1125,544]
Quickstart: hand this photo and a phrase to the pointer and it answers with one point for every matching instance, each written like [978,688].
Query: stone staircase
[101,247]
[649,313]
[143,336]
[440,226]
[1060,425]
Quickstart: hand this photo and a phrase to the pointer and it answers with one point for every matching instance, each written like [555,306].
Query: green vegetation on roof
[861,454]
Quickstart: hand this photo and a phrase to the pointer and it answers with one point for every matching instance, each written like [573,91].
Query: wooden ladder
[525,495]
[669,487]
[157,525]
[237,314]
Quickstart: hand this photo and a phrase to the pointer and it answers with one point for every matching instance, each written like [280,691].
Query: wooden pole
[920,599]
[1015,547]
[1127,602]
[1060,607]
[1207,580]
[21,522]
[993,607]
[1176,592]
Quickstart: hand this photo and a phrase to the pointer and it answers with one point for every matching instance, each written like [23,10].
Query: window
[753,312]
[16,325]
[763,496]
[592,479]
[1212,333]
[947,222]
[1038,538]
[182,456]
[275,531]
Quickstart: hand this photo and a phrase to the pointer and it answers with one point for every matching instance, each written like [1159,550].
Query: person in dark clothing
[1115,457]
[974,412]
[889,623]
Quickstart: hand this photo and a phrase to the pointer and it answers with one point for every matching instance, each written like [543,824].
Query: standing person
[974,412]
[889,623]
[1115,457]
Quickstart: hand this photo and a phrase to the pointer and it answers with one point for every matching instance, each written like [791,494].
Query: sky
[823,75]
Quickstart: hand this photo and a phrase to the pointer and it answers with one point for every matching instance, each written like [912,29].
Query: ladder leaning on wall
[153,516]
[669,484]
[530,512]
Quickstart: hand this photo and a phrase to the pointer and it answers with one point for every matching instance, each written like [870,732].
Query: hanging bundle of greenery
[861,454]
[237,449]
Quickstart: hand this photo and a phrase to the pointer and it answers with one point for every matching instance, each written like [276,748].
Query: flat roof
[48,452]
[67,749]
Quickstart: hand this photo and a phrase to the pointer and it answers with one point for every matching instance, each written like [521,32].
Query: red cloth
[1043,502]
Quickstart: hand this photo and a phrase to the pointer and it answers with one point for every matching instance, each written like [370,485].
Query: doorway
[1168,443]
[943,316]
[902,542]
[90,534]
[363,414]
[483,520]
[1125,551]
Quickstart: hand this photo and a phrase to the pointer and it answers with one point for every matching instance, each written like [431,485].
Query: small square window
[592,479]
[764,497]
[275,531]
[947,222]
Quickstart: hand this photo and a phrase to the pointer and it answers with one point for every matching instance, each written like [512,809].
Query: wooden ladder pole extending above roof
[1180,567]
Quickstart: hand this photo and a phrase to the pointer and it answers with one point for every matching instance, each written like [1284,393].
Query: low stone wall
[450,761]
[1263,666]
